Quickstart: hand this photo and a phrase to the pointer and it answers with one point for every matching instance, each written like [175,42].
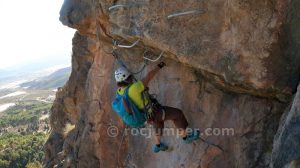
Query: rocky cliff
[231,64]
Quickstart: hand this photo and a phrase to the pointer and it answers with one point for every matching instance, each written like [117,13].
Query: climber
[128,86]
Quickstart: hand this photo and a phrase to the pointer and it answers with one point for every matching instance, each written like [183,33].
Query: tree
[4,163]
[33,165]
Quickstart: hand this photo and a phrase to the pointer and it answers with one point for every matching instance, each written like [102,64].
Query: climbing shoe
[195,135]
[160,147]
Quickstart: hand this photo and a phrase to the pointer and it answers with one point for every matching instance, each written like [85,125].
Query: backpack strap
[129,107]
[126,106]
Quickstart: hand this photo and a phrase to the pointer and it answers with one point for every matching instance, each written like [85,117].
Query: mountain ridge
[52,81]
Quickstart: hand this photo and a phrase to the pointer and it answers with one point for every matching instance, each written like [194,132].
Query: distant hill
[29,68]
[52,81]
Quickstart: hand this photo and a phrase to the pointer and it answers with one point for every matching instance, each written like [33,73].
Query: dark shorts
[169,113]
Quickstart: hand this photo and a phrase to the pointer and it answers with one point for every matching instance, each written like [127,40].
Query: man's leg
[157,139]
[158,126]
[178,118]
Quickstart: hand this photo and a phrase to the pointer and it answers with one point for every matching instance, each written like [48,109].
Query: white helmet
[121,74]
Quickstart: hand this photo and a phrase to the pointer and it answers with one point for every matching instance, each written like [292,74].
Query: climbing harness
[147,107]
[198,11]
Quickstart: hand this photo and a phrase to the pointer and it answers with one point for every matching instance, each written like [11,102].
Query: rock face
[231,65]
[286,143]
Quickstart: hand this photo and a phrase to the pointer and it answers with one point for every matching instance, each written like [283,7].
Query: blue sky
[30,31]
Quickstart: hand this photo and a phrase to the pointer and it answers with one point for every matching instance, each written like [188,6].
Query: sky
[30,31]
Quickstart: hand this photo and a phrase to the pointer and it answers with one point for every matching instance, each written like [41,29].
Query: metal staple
[199,11]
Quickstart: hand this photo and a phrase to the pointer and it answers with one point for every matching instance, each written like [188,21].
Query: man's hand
[161,65]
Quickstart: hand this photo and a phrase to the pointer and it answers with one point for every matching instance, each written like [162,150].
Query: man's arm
[152,73]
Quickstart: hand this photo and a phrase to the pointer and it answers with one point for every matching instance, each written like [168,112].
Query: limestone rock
[286,143]
[234,65]
[248,46]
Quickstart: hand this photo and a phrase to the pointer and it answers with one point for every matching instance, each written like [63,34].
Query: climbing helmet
[121,74]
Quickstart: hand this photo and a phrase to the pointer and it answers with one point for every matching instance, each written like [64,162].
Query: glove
[161,65]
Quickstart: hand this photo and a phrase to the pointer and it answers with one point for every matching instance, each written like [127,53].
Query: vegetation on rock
[19,151]
[23,134]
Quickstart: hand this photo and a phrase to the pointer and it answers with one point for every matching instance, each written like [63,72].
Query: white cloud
[30,30]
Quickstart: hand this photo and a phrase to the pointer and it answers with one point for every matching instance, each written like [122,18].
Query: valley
[25,104]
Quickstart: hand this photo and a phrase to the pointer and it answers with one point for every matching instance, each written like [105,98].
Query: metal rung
[130,46]
[116,6]
[199,11]
[137,3]
[154,60]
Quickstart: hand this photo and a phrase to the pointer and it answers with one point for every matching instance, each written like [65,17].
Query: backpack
[128,111]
